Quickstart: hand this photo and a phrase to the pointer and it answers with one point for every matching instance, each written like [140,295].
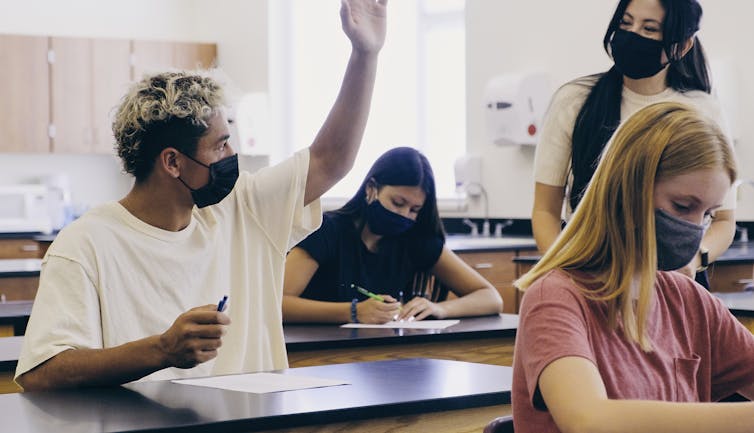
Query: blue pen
[222,304]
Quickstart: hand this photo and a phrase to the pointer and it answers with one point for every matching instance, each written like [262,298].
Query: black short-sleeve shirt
[344,260]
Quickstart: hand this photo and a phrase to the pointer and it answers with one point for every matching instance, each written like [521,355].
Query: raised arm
[334,149]
[476,296]
[193,338]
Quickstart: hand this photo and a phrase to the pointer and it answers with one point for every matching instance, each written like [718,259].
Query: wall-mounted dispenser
[514,107]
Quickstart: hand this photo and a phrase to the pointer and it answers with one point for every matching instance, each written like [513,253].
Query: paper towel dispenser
[514,107]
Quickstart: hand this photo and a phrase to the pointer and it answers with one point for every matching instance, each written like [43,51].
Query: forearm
[335,147]
[618,416]
[96,367]
[477,303]
[546,228]
[719,236]
[296,309]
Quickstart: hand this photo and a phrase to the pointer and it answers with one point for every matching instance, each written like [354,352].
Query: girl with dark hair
[657,58]
[387,233]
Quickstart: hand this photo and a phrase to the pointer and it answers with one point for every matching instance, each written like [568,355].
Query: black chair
[428,286]
[503,424]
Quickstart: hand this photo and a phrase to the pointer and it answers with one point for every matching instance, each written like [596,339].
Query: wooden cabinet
[498,268]
[152,56]
[20,249]
[18,288]
[89,76]
[24,94]
[71,95]
[729,277]
[59,93]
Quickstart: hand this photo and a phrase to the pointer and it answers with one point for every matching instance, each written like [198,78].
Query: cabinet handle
[29,248]
[483,266]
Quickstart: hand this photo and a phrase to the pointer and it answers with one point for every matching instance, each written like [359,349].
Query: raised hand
[364,22]
[194,337]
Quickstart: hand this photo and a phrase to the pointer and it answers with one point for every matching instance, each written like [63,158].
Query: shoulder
[556,286]
[683,292]
[574,92]
[334,228]
[706,103]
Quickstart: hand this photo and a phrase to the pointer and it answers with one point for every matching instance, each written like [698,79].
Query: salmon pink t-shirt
[701,353]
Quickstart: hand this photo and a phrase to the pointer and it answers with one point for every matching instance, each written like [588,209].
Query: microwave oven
[24,209]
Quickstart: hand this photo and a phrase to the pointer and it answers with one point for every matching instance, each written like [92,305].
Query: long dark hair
[599,117]
[401,166]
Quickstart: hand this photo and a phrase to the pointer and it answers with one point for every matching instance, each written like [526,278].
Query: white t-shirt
[552,157]
[110,278]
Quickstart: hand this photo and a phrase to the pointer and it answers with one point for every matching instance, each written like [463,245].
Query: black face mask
[222,177]
[635,56]
[384,222]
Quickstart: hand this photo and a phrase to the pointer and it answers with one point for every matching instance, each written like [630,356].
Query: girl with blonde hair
[610,339]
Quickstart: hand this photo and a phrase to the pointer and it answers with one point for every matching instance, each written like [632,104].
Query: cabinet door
[150,57]
[20,249]
[194,56]
[24,94]
[498,268]
[72,95]
[111,78]
[729,277]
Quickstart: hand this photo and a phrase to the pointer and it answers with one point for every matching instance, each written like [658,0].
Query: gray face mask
[677,241]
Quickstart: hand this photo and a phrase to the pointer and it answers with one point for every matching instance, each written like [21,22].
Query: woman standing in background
[657,58]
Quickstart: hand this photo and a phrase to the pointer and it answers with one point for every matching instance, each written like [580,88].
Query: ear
[169,160]
[371,190]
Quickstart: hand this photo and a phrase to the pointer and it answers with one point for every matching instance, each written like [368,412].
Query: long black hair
[401,166]
[599,117]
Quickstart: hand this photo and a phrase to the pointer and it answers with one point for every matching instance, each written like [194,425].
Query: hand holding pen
[195,336]
[377,308]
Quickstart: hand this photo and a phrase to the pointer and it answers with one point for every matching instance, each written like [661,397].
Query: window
[419,98]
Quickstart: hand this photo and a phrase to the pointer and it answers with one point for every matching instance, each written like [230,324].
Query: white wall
[564,39]
[239,28]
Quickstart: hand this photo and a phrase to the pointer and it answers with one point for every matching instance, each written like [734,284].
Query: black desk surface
[380,388]
[312,337]
[739,303]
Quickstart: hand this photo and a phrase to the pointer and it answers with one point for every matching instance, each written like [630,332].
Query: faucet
[473,226]
[500,226]
[486,221]
[744,236]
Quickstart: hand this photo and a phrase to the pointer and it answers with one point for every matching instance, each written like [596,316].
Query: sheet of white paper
[261,383]
[415,324]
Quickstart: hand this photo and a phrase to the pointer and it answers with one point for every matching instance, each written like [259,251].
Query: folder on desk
[261,383]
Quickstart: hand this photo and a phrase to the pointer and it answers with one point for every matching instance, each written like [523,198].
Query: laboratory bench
[486,339]
[406,393]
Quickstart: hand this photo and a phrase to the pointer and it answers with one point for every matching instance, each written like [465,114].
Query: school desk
[487,339]
[395,392]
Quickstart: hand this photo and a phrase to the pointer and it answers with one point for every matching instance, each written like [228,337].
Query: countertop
[466,243]
[738,253]
[10,268]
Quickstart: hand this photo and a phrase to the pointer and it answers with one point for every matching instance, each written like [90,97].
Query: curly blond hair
[169,109]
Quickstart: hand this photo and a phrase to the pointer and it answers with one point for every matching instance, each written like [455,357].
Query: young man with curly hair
[129,291]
